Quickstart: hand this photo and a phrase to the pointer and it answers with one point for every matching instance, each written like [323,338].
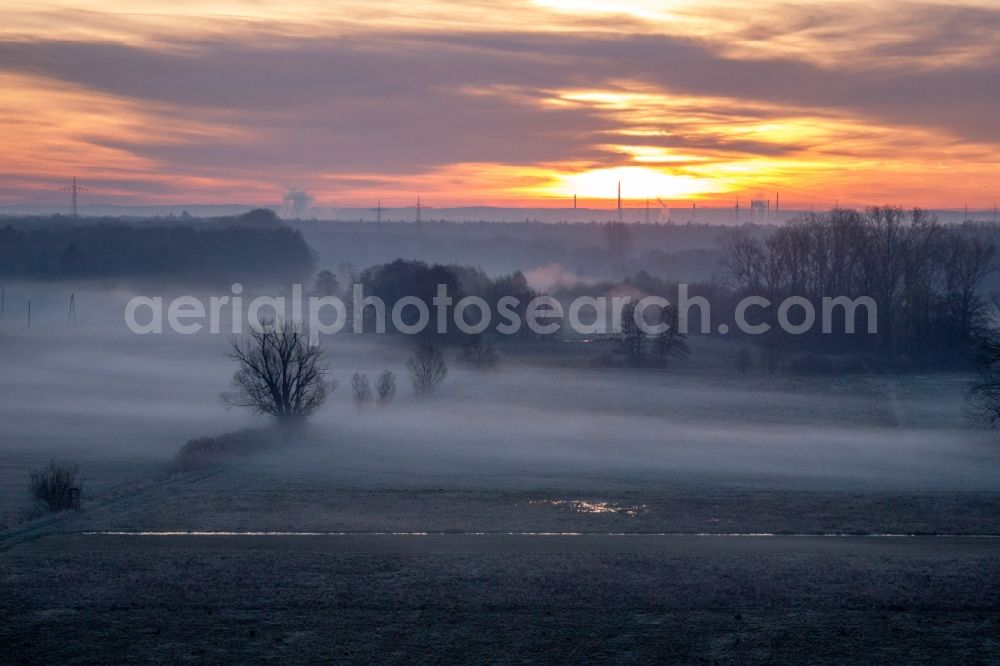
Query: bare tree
[361,388]
[427,368]
[618,237]
[671,343]
[385,387]
[56,486]
[772,353]
[741,262]
[280,374]
[984,392]
[925,278]
[631,338]
[326,284]
[967,260]
[478,354]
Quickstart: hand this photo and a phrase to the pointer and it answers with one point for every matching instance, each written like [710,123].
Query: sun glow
[636,182]
[507,104]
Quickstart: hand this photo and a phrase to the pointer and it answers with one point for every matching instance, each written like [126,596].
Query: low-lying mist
[108,399]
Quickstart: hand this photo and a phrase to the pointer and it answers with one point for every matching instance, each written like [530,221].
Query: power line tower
[378,211]
[71,320]
[420,208]
[74,191]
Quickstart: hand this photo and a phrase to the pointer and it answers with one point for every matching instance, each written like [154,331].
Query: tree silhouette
[670,343]
[385,387]
[427,368]
[326,284]
[361,388]
[280,374]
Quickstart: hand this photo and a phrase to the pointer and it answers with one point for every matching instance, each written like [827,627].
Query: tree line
[180,252]
[925,278]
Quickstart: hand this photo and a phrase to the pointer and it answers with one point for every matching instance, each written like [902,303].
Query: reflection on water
[583,506]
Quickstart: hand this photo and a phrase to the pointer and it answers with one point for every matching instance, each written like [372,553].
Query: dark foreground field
[500,598]
[545,444]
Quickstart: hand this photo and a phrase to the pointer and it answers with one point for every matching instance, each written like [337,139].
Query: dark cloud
[399,103]
[336,106]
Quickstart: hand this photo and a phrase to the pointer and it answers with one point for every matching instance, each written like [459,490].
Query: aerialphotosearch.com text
[543,315]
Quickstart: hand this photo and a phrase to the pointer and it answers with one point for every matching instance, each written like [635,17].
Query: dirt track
[652,544]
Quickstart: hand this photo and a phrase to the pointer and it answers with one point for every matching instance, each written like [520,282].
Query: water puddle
[584,506]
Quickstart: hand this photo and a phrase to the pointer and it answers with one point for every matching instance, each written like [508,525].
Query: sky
[513,103]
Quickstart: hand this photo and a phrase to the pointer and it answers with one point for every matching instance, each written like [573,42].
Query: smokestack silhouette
[619,201]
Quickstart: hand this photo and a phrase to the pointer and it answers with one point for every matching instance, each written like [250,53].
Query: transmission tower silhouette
[74,190]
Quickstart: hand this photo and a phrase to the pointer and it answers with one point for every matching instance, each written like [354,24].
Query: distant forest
[933,283]
[688,252]
[181,246]
[250,248]
[930,281]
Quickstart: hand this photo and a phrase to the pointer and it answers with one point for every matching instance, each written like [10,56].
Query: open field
[500,599]
[545,444]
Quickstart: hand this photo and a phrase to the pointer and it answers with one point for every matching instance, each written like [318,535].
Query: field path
[522,543]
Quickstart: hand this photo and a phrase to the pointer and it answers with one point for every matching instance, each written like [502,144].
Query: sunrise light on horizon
[501,103]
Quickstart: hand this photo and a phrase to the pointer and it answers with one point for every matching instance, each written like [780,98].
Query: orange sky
[501,103]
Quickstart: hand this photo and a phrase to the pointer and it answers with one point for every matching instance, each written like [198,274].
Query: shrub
[479,355]
[361,388]
[427,368]
[385,387]
[208,451]
[56,486]
[772,356]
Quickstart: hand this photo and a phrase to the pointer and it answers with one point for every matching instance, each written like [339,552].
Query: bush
[772,356]
[427,368]
[385,387]
[479,355]
[208,451]
[56,486]
[361,388]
